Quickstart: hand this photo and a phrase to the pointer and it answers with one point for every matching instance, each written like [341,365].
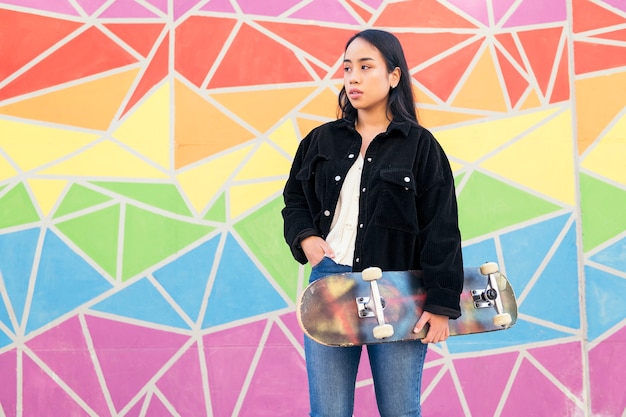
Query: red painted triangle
[90,53]
[444,75]
[615,35]
[516,83]
[366,15]
[237,69]
[195,52]
[130,355]
[508,43]
[140,36]
[421,14]
[561,89]
[26,36]
[540,46]
[591,57]
[589,16]
[420,47]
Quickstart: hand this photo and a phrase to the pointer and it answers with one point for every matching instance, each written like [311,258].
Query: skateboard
[373,306]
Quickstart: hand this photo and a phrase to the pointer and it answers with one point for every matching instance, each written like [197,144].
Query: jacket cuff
[443,302]
[296,249]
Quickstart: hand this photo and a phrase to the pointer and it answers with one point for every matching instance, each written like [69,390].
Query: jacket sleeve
[297,218]
[439,236]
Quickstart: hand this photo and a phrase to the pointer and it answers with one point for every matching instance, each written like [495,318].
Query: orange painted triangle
[90,53]
[420,47]
[273,62]
[444,75]
[588,16]
[27,35]
[156,71]
[591,57]
[541,47]
[195,51]
[139,36]
[561,88]
[421,14]
[516,83]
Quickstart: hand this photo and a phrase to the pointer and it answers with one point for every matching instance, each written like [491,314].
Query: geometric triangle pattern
[144,146]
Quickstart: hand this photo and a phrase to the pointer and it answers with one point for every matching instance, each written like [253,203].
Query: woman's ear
[394,77]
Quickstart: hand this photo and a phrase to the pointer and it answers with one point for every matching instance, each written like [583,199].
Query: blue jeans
[396,370]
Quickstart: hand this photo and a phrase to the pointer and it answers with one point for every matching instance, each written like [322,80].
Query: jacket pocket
[396,207]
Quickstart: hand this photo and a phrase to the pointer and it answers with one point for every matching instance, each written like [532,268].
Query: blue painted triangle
[64,281]
[16,263]
[554,297]
[521,333]
[614,256]
[240,289]
[479,253]
[185,279]
[604,298]
[4,316]
[141,301]
[524,250]
[4,339]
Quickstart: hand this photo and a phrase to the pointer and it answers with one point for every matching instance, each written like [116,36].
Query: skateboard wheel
[502,320]
[489,268]
[372,273]
[383,331]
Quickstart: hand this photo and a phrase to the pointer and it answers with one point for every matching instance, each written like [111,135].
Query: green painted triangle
[487,205]
[79,197]
[96,234]
[263,233]
[602,208]
[17,208]
[149,238]
[458,179]
[217,212]
[163,196]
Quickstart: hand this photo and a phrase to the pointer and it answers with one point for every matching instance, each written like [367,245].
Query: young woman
[374,188]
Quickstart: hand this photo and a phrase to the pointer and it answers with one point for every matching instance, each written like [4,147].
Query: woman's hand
[438,330]
[315,248]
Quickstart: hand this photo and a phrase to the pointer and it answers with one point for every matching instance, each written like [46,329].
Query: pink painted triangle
[223,6]
[90,6]
[8,391]
[159,4]
[291,321]
[64,350]
[564,361]
[135,411]
[476,9]
[606,367]
[41,394]
[365,370]
[365,400]
[532,12]
[326,11]
[493,372]
[183,6]
[126,9]
[158,409]
[62,7]
[130,355]
[443,400]
[500,7]
[279,379]
[228,355]
[185,372]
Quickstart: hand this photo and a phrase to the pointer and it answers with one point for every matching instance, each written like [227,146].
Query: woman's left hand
[438,327]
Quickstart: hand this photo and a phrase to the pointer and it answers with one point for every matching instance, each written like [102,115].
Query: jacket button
[337,178]
[326,213]
[407,179]
[351,156]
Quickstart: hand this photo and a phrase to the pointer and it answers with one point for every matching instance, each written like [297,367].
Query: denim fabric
[396,370]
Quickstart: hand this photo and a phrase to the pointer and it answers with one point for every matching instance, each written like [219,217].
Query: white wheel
[372,273]
[383,331]
[502,320]
[489,268]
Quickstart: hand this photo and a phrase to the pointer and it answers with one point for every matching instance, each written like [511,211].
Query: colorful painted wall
[144,145]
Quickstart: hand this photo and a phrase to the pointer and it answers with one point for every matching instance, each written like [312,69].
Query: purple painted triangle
[130,355]
[8,391]
[291,321]
[500,7]
[476,9]
[183,6]
[229,354]
[159,4]
[185,372]
[223,6]
[443,400]
[40,393]
[531,12]
[156,408]
[126,8]
[564,361]
[64,350]
[279,379]
[325,11]
[90,6]
[618,4]
[606,367]
[63,7]
[268,8]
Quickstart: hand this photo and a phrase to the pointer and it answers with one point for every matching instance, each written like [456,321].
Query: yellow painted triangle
[202,183]
[247,197]
[46,192]
[263,109]
[608,157]
[323,104]
[6,170]
[31,146]
[91,105]
[147,128]
[106,159]
[472,142]
[542,159]
[286,137]
[482,89]
[433,118]
[266,162]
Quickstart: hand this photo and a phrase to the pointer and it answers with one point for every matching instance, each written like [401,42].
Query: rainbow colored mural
[144,145]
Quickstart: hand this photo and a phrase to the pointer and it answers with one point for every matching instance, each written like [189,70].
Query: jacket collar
[402,126]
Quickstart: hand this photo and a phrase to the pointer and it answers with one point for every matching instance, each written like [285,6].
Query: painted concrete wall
[143,148]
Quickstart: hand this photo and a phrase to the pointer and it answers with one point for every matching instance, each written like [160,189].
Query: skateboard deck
[377,307]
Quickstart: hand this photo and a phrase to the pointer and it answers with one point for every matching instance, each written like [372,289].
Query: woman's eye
[364,67]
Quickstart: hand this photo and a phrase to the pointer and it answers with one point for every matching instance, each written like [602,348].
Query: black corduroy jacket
[408,216]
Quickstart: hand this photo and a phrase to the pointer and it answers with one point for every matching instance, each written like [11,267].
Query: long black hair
[401,102]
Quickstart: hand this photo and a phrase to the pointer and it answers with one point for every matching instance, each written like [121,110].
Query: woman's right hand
[315,248]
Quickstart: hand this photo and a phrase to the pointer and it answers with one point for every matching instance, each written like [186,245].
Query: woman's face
[366,78]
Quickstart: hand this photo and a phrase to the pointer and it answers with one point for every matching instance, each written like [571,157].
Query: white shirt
[342,235]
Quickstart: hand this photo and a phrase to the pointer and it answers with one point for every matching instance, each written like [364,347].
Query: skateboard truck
[488,297]
[373,306]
